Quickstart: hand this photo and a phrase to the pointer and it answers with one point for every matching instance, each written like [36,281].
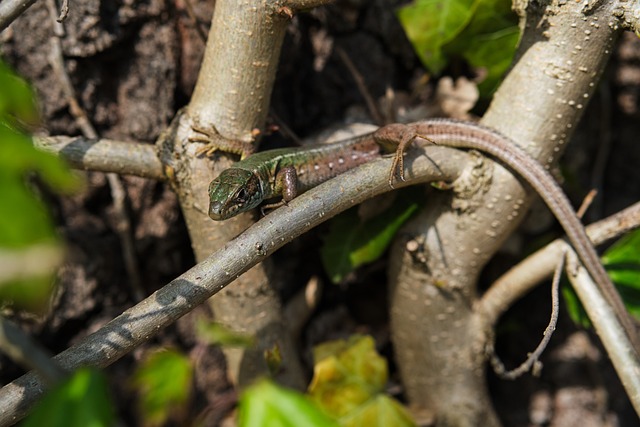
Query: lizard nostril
[215,208]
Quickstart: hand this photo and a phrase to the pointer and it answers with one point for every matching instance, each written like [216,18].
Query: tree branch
[301,5]
[11,9]
[105,155]
[181,295]
[232,94]
[23,349]
[560,58]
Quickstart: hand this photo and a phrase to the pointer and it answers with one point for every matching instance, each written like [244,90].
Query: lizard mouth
[215,211]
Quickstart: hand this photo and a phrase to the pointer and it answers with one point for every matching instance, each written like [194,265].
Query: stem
[105,155]
[232,94]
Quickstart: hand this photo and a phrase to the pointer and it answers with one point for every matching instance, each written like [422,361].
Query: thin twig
[118,193]
[284,128]
[522,278]
[64,11]
[496,363]
[194,19]
[586,203]
[533,358]
[372,106]
[11,9]
[58,28]
[105,155]
[24,350]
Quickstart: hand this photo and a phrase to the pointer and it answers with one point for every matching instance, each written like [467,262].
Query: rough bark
[233,93]
[438,338]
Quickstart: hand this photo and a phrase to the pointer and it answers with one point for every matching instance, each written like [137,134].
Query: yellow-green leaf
[348,384]
[266,404]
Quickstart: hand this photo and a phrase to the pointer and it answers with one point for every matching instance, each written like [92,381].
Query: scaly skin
[286,172]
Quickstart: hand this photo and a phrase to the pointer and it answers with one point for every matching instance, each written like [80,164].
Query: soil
[133,66]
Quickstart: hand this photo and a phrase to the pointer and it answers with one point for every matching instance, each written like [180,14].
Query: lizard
[285,172]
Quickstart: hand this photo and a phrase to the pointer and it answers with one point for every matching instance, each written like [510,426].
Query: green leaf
[574,307]
[489,41]
[622,261]
[348,382]
[16,99]
[163,381]
[268,405]
[430,24]
[24,220]
[380,411]
[484,32]
[215,333]
[81,401]
[352,242]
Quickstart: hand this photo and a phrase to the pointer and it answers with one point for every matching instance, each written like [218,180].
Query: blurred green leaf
[81,401]
[24,220]
[352,242]
[484,32]
[215,333]
[379,411]
[16,98]
[163,381]
[348,383]
[574,307]
[273,357]
[266,404]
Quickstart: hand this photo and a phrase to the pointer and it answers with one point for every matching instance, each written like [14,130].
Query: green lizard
[286,172]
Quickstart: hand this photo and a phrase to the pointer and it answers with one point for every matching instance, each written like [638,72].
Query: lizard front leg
[285,184]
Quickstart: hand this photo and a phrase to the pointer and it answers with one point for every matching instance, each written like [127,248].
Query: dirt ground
[134,66]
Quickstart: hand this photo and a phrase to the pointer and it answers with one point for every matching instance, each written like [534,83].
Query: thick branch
[560,59]
[232,94]
[239,66]
[629,14]
[104,155]
[143,321]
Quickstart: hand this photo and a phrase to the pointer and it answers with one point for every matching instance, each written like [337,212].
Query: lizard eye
[241,195]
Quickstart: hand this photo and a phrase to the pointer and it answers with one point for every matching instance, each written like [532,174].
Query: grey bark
[233,93]
[141,322]
[438,338]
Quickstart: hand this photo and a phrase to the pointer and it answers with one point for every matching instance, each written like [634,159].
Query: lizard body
[285,172]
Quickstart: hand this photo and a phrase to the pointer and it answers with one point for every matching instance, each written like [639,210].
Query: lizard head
[232,192]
